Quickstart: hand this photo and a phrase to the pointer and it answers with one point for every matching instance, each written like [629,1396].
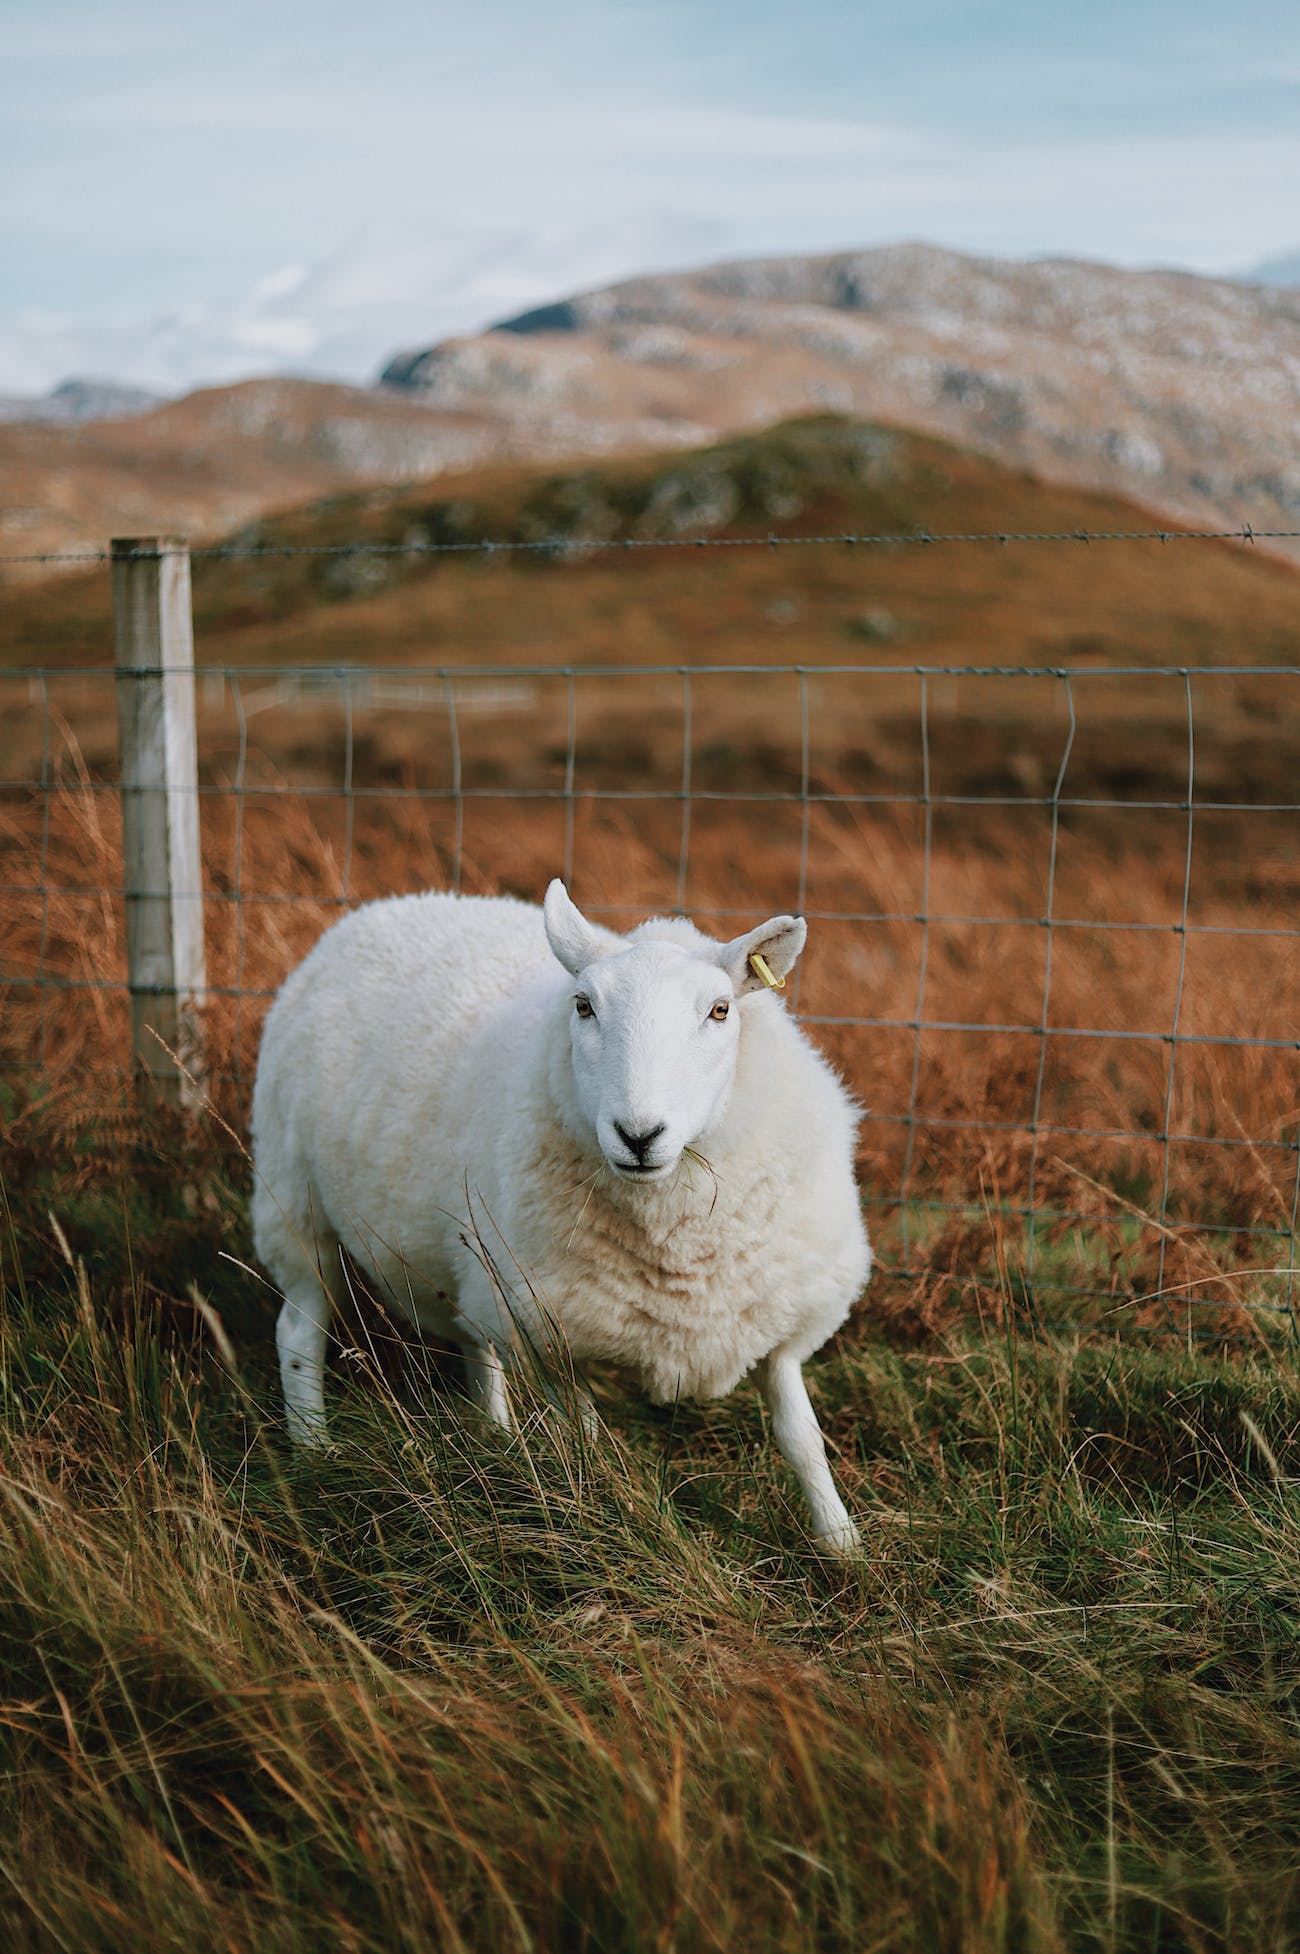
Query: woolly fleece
[414,1102]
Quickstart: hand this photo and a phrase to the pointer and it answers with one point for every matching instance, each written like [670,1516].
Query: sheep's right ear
[575,941]
[777,942]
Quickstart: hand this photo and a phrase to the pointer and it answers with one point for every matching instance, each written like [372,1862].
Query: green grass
[443,1689]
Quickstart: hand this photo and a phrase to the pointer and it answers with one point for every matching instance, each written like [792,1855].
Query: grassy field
[442,1689]
[1163,1178]
[438,1689]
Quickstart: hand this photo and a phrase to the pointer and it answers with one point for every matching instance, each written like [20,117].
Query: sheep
[517,1122]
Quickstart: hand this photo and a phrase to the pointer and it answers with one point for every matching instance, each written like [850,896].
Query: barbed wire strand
[584,545]
[316,681]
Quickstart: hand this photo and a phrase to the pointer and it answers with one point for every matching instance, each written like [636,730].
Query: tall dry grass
[441,1688]
[1070,1126]
[445,1689]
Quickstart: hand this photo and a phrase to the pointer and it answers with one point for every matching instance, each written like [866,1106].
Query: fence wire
[1134,1236]
[562,545]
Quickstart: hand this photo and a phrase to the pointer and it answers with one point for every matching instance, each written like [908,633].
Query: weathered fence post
[154,640]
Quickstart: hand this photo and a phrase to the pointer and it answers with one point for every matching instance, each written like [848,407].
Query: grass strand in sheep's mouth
[697,1159]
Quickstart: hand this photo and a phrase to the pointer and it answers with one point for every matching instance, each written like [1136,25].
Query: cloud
[177,182]
[342,317]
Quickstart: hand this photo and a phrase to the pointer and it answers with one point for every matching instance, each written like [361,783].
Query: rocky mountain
[79,400]
[1180,390]
[1283,270]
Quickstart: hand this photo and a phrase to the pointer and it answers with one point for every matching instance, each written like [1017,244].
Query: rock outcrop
[1184,391]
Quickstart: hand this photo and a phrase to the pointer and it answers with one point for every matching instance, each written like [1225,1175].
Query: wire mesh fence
[1051,939]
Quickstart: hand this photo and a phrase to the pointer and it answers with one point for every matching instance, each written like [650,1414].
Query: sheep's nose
[638,1144]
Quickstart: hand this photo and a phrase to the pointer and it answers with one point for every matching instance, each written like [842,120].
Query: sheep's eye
[720,1010]
[583,1006]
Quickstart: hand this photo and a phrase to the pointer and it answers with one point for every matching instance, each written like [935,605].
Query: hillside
[202,465]
[823,476]
[225,456]
[77,400]
[859,609]
[1181,392]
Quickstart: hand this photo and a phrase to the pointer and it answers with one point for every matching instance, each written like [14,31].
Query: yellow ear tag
[760,968]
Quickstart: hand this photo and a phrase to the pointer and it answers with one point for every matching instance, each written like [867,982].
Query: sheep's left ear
[778,942]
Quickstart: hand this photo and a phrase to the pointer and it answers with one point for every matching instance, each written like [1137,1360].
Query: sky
[199,191]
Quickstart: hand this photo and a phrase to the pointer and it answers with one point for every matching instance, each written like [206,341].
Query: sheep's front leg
[799,1438]
[486,1376]
[573,1401]
[301,1333]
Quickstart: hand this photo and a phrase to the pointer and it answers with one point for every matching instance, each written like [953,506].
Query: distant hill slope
[225,456]
[824,604]
[1183,391]
[846,629]
[1282,270]
[200,466]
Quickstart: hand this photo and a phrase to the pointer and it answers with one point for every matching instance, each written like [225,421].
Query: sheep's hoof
[307,1434]
[843,1543]
[589,1423]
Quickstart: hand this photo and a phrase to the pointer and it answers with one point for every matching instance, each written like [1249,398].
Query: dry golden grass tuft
[1005,1120]
[442,1688]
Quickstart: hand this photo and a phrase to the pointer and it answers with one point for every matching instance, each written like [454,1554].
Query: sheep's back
[360,1045]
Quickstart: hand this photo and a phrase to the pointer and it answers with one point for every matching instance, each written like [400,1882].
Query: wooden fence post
[154,639]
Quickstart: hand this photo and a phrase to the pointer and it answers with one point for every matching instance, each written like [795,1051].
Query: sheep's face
[654,1035]
[654,1029]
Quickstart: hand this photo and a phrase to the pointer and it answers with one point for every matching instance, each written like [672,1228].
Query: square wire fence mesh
[1051,940]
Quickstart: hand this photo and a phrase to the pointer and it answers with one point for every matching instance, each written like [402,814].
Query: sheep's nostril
[638,1144]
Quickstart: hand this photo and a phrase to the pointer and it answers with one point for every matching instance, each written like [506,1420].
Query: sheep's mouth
[635,1170]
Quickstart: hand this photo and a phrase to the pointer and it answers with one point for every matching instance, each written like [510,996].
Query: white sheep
[516,1122]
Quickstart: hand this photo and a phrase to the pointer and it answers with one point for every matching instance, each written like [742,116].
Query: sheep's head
[655,1027]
